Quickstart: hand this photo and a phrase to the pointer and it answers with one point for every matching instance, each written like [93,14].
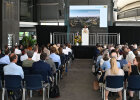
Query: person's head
[106,57]
[16,47]
[30,54]
[60,50]
[114,68]
[135,46]
[136,53]
[25,51]
[131,48]
[6,47]
[39,50]
[6,52]
[53,50]
[13,58]
[113,54]
[136,62]
[35,49]
[124,55]
[43,56]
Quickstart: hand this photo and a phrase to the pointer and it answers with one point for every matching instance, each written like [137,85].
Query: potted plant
[28,42]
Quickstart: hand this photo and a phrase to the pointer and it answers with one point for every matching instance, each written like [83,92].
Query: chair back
[0,83]
[57,65]
[33,82]
[114,81]
[27,70]
[13,82]
[134,83]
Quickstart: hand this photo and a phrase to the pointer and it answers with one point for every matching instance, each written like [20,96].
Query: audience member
[13,68]
[41,67]
[35,55]
[24,57]
[5,59]
[54,56]
[134,70]
[17,51]
[28,62]
[113,71]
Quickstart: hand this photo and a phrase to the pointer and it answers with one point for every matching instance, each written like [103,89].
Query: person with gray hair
[29,62]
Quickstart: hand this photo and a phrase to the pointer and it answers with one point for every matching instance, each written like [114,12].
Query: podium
[85,36]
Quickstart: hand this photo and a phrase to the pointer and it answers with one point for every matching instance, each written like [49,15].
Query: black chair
[13,83]
[35,82]
[134,83]
[113,82]
[27,70]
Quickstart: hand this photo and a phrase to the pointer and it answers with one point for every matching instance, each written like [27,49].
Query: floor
[77,83]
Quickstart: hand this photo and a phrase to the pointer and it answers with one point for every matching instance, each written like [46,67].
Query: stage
[84,52]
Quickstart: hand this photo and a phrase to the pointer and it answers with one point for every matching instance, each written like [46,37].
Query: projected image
[81,18]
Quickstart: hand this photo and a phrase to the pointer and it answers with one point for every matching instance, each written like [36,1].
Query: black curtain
[128,34]
[43,33]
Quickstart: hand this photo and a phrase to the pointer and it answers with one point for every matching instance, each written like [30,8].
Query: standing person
[113,71]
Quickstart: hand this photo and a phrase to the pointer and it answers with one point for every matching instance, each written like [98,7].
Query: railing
[94,38]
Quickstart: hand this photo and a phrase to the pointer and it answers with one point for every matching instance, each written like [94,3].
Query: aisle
[77,85]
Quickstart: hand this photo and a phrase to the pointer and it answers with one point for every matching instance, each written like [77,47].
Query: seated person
[54,56]
[51,63]
[29,61]
[17,51]
[5,59]
[1,55]
[106,65]
[13,68]
[113,71]
[62,55]
[42,68]
[134,70]
[24,57]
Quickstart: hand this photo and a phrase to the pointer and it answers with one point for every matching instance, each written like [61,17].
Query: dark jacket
[43,69]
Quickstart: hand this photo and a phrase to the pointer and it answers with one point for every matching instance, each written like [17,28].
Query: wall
[10,21]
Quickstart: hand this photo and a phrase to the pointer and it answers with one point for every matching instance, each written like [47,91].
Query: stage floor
[84,52]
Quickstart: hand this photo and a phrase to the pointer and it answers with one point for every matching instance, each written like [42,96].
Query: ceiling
[122,3]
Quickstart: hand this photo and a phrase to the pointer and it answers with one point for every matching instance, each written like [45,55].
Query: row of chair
[113,82]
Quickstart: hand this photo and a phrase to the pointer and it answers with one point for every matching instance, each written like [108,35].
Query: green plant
[28,41]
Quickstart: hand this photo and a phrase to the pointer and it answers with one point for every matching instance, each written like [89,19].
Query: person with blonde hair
[113,71]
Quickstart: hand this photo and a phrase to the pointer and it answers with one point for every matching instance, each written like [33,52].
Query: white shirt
[23,57]
[17,51]
[68,49]
[130,57]
[36,56]
[5,60]
[13,69]
[65,51]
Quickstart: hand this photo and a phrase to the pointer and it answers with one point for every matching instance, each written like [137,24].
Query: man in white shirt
[5,59]
[24,57]
[36,57]
[13,68]
[17,51]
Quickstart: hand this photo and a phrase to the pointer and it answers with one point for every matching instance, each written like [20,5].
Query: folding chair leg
[31,94]
[44,93]
[104,94]
[56,78]
[23,96]
[139,95]
[48,91]
[3,93]
[59,75]
[124,94]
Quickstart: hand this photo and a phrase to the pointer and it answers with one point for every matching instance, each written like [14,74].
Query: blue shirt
[13,69]
[106,65]
[5,60]
[123,62]
[55,58]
